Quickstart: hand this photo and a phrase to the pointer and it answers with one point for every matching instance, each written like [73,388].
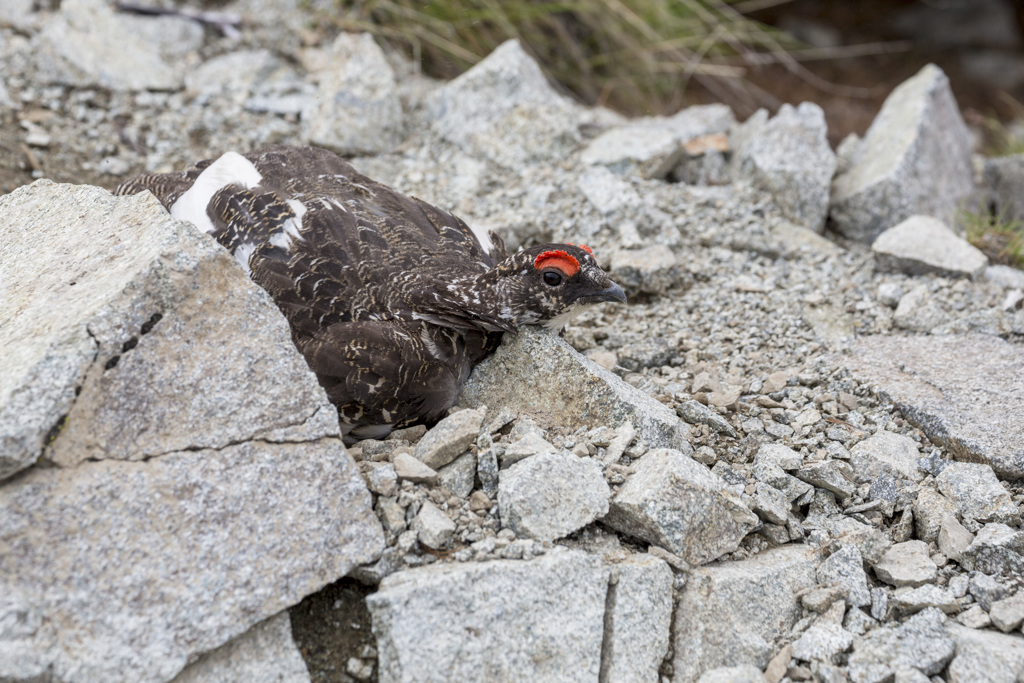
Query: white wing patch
[231,168]
[242,253]
[483,238]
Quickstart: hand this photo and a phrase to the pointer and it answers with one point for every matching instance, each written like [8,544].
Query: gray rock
[733,613]
[987,590]
[696,412]
[930,509]
[918,311]
[408,468]
[996,549]
[503,109]
[551,495]
[789,157]
[586,395]
[449,438]
[117,353]
[974,617]
[528,446]
[637,621]
[651,269]
[433,527]
[913,600]
[832,475]
[87,45]
[265,653]
[985,656]
[977,493]
[651,147]
[647,353]
[921,245]
[770,504]
[845,567]
[885,453]
[1004,179]
[821,642]
[508,620]
[356,109]
[1004,276]
[906,564]
[953,538]
[126,570]
[745,673]
[674,502]
[919,643]
[1007,614]
[915,159]
[20,15]
[234,75]
[608,193]
[944,385]
[459,476]
[380,478]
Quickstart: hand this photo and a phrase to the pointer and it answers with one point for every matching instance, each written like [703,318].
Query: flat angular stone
[503,109]
[930,509]
[550,495]
[915,159]
[832,475]
[508,620]
[638,617]
[519,374]
[789,157]
[356,109]
[985,656]
[945,384]
[715,624]
[845,567]
[821,642]
[408,468]
[674,502]
[651,147]
[914,600]
[433,527]
[919,643]
[953,538]
[987,589]
[886,453]
[745,673]
[449,438]
[996,549]
[921,245]
[906,564]
[265,653]
[977,493]
[1008,614]
[459,476]
[125,570]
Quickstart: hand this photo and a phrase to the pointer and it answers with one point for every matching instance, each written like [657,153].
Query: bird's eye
[552,279]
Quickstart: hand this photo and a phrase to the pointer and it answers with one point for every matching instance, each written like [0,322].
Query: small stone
[744,673]
[930,510]
[770,505]
[987,590]
[858,623]
[696,413]
[885,453]
[820,599]
[985,656]
[996,549]
[1008,613]
[922,244]
[411,434]
[651,269]
[906,564]
[550,495]
[977,493]
[776,669]
[845,567]
[449,438]
[914,600]
[381,478]
[638,619]
[953,538]
[433,527]
[920,642]
[821,642]
[624,435]
[408,468]
[831,475]
[480,502]
[392,517]
[975,617]
[459,476]
[918,311]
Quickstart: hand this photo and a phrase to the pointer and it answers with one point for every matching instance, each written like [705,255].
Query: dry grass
[638,56]
[1000,238]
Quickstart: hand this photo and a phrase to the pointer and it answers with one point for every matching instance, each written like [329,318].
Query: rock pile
[794,456]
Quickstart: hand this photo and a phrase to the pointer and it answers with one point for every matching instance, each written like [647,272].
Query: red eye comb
[559,260]
[585,248]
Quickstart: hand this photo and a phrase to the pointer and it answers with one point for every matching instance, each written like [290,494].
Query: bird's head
[550,283]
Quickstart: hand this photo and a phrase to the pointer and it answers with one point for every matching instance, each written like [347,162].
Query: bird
[390,300]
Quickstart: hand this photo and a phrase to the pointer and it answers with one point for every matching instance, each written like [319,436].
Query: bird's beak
[613,293]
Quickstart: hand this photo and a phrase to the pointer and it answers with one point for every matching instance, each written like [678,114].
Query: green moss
[1000,238]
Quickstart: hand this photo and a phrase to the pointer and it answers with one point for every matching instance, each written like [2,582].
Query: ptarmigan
[391,301]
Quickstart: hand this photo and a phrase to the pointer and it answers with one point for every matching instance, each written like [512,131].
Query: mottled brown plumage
[391,301]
